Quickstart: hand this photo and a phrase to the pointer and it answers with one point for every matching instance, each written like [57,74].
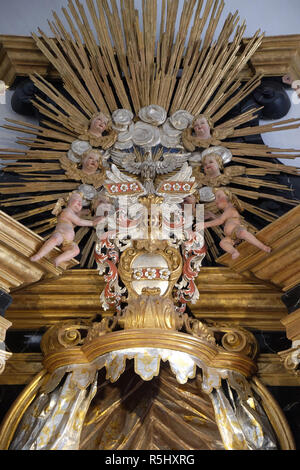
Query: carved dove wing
[126,160]
[170,162]
[116,176]
[183,175]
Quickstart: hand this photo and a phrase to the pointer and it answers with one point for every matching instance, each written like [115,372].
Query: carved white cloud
[181,119]
[153,114]
[145,134]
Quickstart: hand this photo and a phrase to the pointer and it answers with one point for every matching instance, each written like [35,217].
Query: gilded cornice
[206,352]
[224,295]
[21,368]
[152,322]
[19,57]
[292,325]
[277,56]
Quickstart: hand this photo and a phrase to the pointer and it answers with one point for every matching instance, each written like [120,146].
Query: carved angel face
[201,128]
[211,166]
[221,199]
[75,203]
[90,163]
[98,124]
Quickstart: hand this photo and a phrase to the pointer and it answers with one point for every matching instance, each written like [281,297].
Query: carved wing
[74,173]
[235,170]
[223,133]
[127,161]
[170,162]
[184,175]
[114,175]
[71,170]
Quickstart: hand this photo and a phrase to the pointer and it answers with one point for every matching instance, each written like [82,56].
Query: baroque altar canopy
[142,143]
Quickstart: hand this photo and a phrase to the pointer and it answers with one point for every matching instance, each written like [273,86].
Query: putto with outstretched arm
[64,234]
[234,229]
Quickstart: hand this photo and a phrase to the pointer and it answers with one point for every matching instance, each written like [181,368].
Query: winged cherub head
[91,160]
[202,126]
[212,165]
[98,124]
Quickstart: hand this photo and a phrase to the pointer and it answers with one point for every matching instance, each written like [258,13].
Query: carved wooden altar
[151,289]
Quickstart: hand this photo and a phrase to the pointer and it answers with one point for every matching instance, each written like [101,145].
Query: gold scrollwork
[64,335]
[236,339]
[150,310]
[291,360]
[197,328]
[106,325]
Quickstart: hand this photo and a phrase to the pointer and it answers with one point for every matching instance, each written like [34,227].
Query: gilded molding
[60,352]
[277,55]
[15,413]
[224,295]
[21,368]
[4,355]
[272,372]
[275,415]
[291,358]
[19,57]
[292,325]
[4,325]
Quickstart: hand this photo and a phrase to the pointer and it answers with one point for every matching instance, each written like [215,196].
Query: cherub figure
[212,164]
[233,228]
[99,132]
[91,160]
[209,171]
[201,134]
[64,232]
[92,168]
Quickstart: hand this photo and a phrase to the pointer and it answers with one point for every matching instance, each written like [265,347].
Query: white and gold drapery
[55,419]
[242,423]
